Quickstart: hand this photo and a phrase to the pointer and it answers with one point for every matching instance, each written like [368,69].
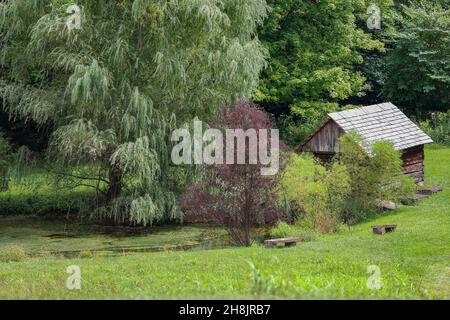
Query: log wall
[413,162]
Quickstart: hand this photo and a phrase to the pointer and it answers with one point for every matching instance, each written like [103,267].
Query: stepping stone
[429,191]
[383,229]
[387,205]
[420,197]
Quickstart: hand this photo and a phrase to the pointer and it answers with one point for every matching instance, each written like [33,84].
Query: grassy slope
[414,263]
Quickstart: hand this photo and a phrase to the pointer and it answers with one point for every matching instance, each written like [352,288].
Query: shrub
[282,230]
[45,203]
[374,177]
[86,254]
[237,196]
[305,230]
[348,189]
[12,253]
[36,190]
[438,128]
[406,190]
[317,194]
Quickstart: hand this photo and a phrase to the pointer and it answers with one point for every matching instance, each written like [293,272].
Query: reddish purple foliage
[236,196]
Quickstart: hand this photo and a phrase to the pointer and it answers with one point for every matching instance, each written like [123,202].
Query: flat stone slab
[429,191]
[383,229]
[420,197]
[291,241]
[387,205]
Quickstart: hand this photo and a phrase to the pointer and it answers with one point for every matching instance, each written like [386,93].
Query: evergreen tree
[113,77]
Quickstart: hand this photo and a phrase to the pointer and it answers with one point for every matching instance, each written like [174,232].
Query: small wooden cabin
[377,122]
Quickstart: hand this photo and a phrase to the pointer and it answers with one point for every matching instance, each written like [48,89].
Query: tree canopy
[418,66]
[113,88]
[314,47]
[323,56]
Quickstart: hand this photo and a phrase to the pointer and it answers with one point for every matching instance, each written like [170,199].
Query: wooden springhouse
[377,122]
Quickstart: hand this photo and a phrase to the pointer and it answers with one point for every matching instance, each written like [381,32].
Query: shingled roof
[382,122]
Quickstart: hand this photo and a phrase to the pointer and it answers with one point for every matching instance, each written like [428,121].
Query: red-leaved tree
[237,196]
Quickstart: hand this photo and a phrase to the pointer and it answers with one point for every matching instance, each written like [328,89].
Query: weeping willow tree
[113,78]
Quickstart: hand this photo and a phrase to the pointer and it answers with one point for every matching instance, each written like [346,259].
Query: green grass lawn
[414,261]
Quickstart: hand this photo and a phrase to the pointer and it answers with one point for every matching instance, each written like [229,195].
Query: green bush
[374,177]
[12,253]
[86,254]
[282,230]
[316,193]
[347,190]
[303,229]
[45,203]
[438,128]
[35,190]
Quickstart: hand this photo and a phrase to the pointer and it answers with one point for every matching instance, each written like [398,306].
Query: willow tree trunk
[115,183]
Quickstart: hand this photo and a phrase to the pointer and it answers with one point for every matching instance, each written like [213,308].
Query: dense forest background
[321,57]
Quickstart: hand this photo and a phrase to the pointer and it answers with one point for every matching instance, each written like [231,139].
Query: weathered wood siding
[413,162]
[324,144]
[325,141]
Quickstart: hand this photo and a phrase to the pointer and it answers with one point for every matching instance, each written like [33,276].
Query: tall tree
[314,47]
[112,77]
[418,66]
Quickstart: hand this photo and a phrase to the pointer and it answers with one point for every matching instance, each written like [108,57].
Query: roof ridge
[383,119]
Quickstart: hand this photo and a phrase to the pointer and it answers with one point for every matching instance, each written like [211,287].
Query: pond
[68,238]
